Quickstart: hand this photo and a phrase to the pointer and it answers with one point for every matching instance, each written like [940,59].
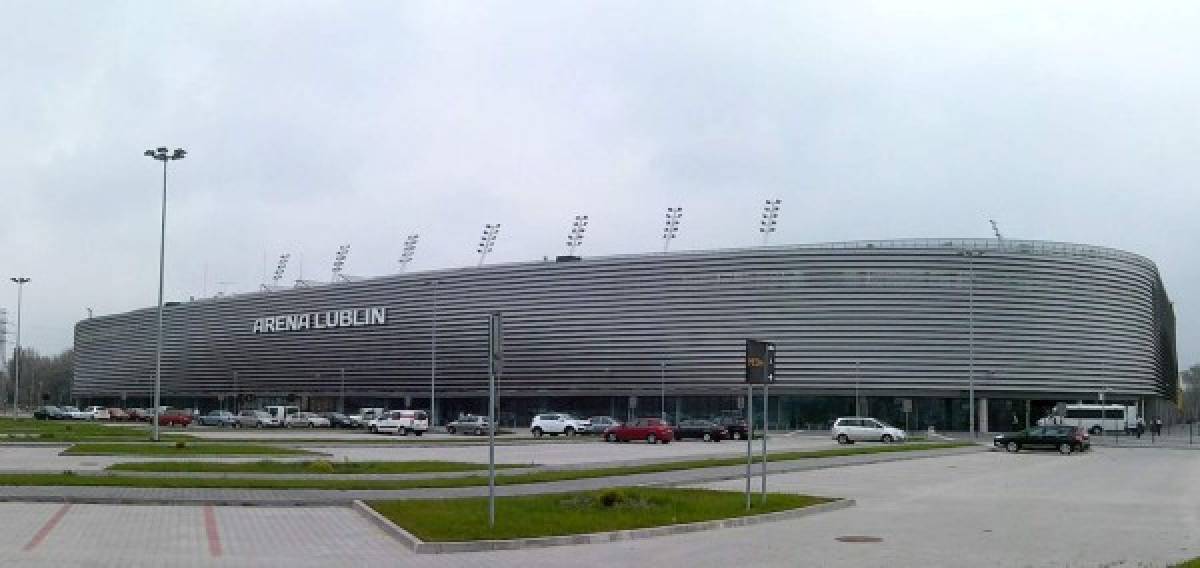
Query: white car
[306,420]
[365,416]
[402,422]
[98,412]
[77,414]
[558,423]
[862,429]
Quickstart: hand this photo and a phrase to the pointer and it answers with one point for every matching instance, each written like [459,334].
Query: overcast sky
[309,125]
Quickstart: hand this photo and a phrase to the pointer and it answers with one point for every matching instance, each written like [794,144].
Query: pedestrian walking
[1141,427]
[1158,426]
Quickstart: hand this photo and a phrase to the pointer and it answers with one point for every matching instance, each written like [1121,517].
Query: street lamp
[433,329]
[971,255]
[671,229]
[575,238]
[161,154]
[770,218]
[487,241]
[20,281]
[662,408]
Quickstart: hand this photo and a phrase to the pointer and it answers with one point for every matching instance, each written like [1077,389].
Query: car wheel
[651,439]
[569,432]
[1065,449]
[418,432]
[537,432]
[258,425]
[841,439]
[611,437]
[479,431]
[450,430]
[887,439]
[707,437]
[311,425]
[1012,447]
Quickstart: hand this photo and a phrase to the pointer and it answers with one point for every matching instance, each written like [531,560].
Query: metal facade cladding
[1045,319]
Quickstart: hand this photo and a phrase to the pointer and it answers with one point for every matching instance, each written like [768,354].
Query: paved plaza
[1110,507]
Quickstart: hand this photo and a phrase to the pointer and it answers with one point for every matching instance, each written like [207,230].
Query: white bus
[1097,418]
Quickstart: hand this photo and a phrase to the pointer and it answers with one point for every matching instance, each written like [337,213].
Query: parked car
[1064,438]
[257,419]
[281,413]
[338,420]
[306,420]
[735,425]
[365,415]
[649,429]
[558,423]
[50,413]
[402,422]
[140,414]
[706,430]
[98,412]
[601,423]
[181,418]
[117,414]
[469,424]
[222,418]
[76,414]
[860,429]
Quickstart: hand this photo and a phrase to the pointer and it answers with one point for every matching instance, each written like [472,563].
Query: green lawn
[169,449]
[465,519]
[67,479]
[28,429]
[1193,563]
[267,466]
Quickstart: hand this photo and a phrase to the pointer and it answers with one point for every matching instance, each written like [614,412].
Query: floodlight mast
[487,241]
[339,262]
[163,156]
[674,214]
[575,238]
[410,249]
[996,231]
[770,218]
[280,269]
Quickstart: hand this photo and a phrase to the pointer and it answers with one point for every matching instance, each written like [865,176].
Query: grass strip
[182,449]
[28,429]
[330,467]
[556,514]
[70,479]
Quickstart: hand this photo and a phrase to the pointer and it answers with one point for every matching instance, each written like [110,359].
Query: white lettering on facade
[357,317]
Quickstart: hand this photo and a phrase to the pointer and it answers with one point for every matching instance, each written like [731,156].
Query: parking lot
[1108,507]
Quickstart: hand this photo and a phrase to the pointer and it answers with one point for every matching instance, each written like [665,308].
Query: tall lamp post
[161,154]
[20,281]
[662,401]
[971,255]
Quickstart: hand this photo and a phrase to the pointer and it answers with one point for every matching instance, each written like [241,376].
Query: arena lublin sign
[357,317]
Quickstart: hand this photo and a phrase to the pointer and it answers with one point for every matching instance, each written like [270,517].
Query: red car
[175,418]
[649,429]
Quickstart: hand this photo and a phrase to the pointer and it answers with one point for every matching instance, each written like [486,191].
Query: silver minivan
[862,429]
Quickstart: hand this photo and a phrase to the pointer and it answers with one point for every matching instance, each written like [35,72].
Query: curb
[421,547]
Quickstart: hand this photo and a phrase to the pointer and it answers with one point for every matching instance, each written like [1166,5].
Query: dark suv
[1065,439]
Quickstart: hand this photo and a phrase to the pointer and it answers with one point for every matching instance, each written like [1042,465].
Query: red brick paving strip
[210,527]
[49,526]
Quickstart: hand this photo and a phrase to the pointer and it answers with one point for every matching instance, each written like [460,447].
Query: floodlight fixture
[575,238]
[487,241]
[339,261]
[671,227]
[161,154]
[770,218]
[410,249]
[280,268]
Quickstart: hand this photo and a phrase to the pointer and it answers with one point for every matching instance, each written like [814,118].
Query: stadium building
[901,330]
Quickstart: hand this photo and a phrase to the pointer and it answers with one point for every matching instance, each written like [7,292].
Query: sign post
[760,369]
[495,359]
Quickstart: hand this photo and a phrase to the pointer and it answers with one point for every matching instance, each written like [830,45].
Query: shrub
[180,445]
[611,498]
